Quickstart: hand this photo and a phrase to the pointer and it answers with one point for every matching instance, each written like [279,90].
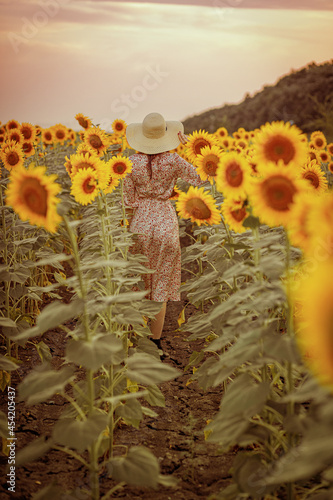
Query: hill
[304,97]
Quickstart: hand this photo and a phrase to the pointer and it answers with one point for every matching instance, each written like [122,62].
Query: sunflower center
[95,141]
[27,147]
[60,134]
[312,177]
[119,168]
[199,144]
[279,148]
[83,122]
[119,126]
[198,208]
[15,137]
[35,196]
[83,165]
[88,187]
[13,158]
[279,192]
[234,174]
[239,214]
[319,142]
[26,132]
[211,165]
[48,136]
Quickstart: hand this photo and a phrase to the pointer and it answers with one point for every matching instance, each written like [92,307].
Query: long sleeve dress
[148,189]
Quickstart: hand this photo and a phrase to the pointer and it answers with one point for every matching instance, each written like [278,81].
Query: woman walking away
[147,190]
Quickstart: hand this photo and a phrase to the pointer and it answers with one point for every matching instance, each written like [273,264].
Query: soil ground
[176,437]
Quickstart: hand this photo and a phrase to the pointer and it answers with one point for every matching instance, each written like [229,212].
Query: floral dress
[148,189]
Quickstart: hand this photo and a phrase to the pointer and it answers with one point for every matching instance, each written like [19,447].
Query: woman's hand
[182,137]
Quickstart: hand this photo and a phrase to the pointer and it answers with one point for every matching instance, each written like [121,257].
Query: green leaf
[248,473]
[251,222]
[80,434]
[53,260]
[54,314]
[195,359]
[102,349]
[8,363]
[41,383]
[314,454]
[32,451]
[139,468]
[148,370]
[243,399]
[43,351]
[155,397]
[7,322]
[130,412]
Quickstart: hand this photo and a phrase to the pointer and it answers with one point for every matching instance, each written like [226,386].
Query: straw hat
[154,135]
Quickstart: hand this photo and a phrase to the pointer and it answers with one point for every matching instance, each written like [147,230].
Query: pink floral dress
[148,189]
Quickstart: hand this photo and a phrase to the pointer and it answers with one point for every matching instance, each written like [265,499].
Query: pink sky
[125,59]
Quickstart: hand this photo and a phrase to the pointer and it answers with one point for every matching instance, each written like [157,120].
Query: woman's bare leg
[156,326]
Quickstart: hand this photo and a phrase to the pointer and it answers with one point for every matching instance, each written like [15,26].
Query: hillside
[304,97]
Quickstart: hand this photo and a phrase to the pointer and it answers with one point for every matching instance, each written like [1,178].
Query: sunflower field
[259,269]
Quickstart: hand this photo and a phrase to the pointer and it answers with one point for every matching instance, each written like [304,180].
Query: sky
[125,59]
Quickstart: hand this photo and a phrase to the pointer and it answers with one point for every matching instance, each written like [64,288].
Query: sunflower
[315,176]
[84,121]
[280,141]
[84,149]
[313,155]
[68,166]
[199,206]
[318,140]
[330,167]
[96,139]
[60,133]
[120,166]
[175,193]
[11,124]
[112,184]
[72,136]
[32,194]
[298,226]
[28,148]
[232,175]
[48,136]
[207,162]
[28,131]
[197,141]
[272,196]
[234,213]
[320,224]
[221,132]
[15,135]
[323,156]
[12,155]
[83,162]
[314,329]
[119,126]
[330,148]
[225,143]
[85,186]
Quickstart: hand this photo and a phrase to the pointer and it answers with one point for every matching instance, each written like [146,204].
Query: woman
[147,190]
